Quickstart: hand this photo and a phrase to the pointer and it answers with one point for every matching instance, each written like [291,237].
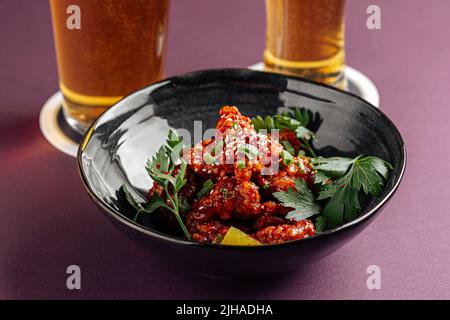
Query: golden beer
[306,38]
[119,47]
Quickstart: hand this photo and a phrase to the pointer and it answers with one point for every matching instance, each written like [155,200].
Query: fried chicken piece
[272,208]
[268,220]
[273,215]
[301,168]
[237,150]
[236,161]
[231,118]
[285,232]
[230,199]
[220,202]
[195,158]
[247,200]
[234,203]
[203,229]
[203,221]
[284,178]
[281,182]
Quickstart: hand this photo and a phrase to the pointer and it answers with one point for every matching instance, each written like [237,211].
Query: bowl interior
[116,148]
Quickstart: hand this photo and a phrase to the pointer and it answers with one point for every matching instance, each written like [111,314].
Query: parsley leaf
[184,205]
[301,200]
[321,178]
[296,120]
[366,173]
[167,169]
[286,122]
[301,115]
[343,206]
[304,133]
[207,186]
[369,174]
[288,146]
[287,158]
[320,223]
[250,151]
[260,123]
[154,203]
[334,166]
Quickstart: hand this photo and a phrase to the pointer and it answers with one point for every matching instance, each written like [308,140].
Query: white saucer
[54,128]
[60,135]
[358,83]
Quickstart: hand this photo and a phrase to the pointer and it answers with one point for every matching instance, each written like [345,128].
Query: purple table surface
[47,222]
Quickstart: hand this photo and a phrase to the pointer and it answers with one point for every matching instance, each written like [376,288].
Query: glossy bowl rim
[118,217]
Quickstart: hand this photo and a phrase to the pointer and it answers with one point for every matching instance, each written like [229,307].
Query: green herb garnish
[296,121]
[209,159]
[207,187]
[320,224]
[334,166]
[162,170]
[168,170]
[218,146]
[226,194]
[249,151]
[154,203]
[366,173]
[260,123]
[339,181]
[288,146]
[241,164]
[321,178]
[301,200]
[300,114]
[287,158]
[218,238]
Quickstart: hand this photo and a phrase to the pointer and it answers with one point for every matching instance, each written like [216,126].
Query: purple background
[47,222]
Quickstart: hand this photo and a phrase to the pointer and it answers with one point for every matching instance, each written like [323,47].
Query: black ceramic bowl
[116,147]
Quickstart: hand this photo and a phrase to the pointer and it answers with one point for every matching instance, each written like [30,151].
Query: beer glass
[105,50]
[306,38]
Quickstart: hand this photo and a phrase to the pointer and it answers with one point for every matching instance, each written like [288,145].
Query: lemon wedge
[235,237]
